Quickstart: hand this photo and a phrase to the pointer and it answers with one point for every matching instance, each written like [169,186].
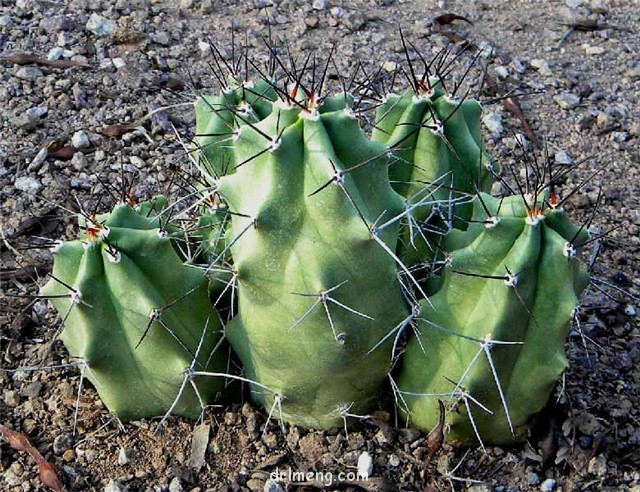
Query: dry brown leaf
[47,472]
[435,438]
[448,18]
[512,106]
[27,59]
[116,131]
[63,153]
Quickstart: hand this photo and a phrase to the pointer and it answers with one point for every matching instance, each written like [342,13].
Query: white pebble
[80,140]
[365,465]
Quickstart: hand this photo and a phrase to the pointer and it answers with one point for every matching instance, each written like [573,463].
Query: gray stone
[502,71]
[81,183]
[542,66]
[5,20]
[29,73]
[175,485]
[161,37]
[32,390]
[354,20]
[55,53]
[567,100]
[548,485]
[561,157]
[493,123]
[272,486]
[79,161]
[260,4]
[320,4]
[28,184]
[572,4]
[30,118]
[100,26]
[56,23]
[80,140]
[533,478]
[115,486]
[62,442]
[125,456]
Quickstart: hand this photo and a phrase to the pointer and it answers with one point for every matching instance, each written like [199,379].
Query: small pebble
[394,460]
[100,26]
[502,71]
[493,123]
[365,465]
[630,310]
[598,465]
[80,140]
[5,20]
[125,456]
[29,73]
[548,485]
[594,50]
[573,4]
[115,486]
[261,4]
[566,100]
[533,478]
[31,391]
[161,37]
[55,53]
[312,21]
[175,485]
[542,66]
[137,161]
[29,185]
[320,4]
[62,442]
[272,486]
[561,157]
[118,63]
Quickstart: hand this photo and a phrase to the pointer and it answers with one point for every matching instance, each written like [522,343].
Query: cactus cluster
[335,264]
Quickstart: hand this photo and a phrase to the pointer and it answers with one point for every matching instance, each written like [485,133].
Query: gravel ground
[101,63]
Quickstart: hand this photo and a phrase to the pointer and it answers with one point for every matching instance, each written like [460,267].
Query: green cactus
[310,235]
[135,314]
[219,117]
[438,160]
[317,288]
[492,338]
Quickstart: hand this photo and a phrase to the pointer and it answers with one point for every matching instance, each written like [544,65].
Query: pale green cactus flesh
[135,314]
[491,341]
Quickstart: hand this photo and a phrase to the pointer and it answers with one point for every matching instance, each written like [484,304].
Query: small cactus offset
[332,262]
[135,314]
[491,340]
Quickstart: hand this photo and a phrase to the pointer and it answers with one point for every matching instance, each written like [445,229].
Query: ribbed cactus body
[107,286]
[494,333]
[316,290]
[437,160]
